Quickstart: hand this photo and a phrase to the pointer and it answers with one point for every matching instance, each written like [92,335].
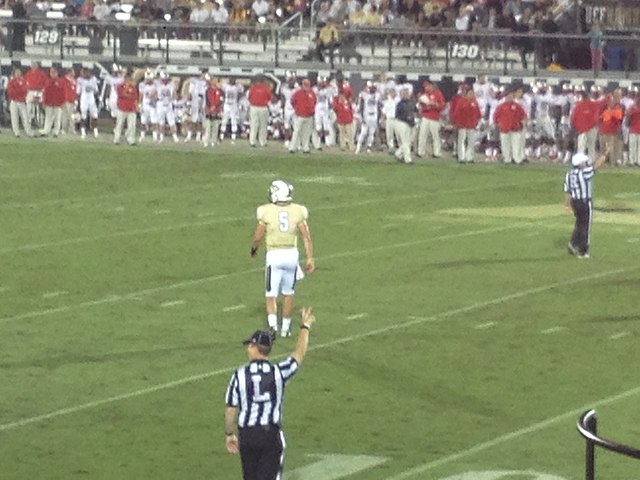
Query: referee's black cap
[260,337]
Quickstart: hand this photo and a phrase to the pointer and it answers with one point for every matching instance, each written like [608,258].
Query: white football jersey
[87,87]
[148,94]
[324,97]
[385,87]
[483,95]
[370,102]
[287,91]
[276,112]
[389,106]
[166,93]
[112,81]
[232,94]
[543,103]
[198,89]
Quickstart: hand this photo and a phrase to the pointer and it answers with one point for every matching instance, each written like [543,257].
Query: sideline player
[279,224]
[87,89]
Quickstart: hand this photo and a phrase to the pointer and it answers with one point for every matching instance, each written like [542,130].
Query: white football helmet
[280,191]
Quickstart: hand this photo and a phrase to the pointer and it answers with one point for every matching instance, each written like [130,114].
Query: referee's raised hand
[308,319]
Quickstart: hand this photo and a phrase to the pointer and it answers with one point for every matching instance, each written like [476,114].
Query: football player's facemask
[280,191]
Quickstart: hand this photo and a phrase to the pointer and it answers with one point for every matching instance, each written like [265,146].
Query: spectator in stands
[218,14]
[463,20]
[70,9]
[339,11]
[260,8]
[237,19]
[101,11]
[596,43]
[328,40]
[523,42]
[322,17]
[549,46]
[18,30]
[410,9]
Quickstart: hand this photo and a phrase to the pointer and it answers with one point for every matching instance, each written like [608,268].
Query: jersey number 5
[283,218]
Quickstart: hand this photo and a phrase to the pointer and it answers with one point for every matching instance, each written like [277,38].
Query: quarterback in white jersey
[482,89]
[231,107]
[197,91]
[148,99]
[324,96]
[286,92]
[384,85]
[369,105]
[165,113]
[87,90]
[276,118]
[110,89]
[389,105]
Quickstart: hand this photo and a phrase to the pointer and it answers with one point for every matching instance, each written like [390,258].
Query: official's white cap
[579,159]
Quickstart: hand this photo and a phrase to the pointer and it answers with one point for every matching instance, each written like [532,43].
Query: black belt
[264,428]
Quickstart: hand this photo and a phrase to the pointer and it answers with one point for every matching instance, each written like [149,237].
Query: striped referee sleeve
[288,367]
[233,392]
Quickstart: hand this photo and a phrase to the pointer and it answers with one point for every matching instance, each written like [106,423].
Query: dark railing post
[537,51]
[116,39]
[447,52]
[61,40]
[276,40]
[590,464]
[504,59]
[167,47]
[390,52]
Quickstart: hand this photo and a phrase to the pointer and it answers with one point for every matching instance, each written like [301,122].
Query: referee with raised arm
[255,396]
[578,192]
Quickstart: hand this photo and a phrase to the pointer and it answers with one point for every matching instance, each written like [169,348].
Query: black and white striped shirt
[578,183]
[257,390]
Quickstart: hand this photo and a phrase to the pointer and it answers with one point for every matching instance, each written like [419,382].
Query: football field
[456,339]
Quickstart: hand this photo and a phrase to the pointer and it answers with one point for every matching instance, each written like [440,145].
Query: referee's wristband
[305,326]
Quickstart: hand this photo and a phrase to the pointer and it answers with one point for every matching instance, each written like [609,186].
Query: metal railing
[588,428]
[269,45]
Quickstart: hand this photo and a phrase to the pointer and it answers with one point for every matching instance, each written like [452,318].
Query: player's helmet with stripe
[280,191]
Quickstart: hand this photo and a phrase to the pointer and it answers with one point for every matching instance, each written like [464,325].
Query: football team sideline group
[482,120]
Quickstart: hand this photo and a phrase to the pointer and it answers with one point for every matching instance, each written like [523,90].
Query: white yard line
[620,335]
[551,330]
[172,303]
[357,316]
[54,294]
[480,447]
[371,333]
[483,326]
[188,283]
[233,308]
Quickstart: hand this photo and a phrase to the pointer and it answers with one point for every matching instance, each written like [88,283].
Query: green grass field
[455,336]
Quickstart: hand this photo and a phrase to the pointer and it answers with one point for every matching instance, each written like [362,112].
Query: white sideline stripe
[413,321]
[620,335]
[572,414]
[187,283]
[356,316]
[233,308]
[161,212]
[485,325]
[633,240]
[54,294]
[172,303]
[553,330]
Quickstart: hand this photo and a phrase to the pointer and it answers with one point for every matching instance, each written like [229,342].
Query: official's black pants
[582,209]
[261,452]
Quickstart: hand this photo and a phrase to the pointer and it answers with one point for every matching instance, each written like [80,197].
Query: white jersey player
[166,92]
[388,111]
[87,90]
[110,89]
[287,90]
[324,96]
[276,118]
[369,105]
[482,90]
[544,131]
[196,96]
[384,85]
[231,107]
[148,100]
